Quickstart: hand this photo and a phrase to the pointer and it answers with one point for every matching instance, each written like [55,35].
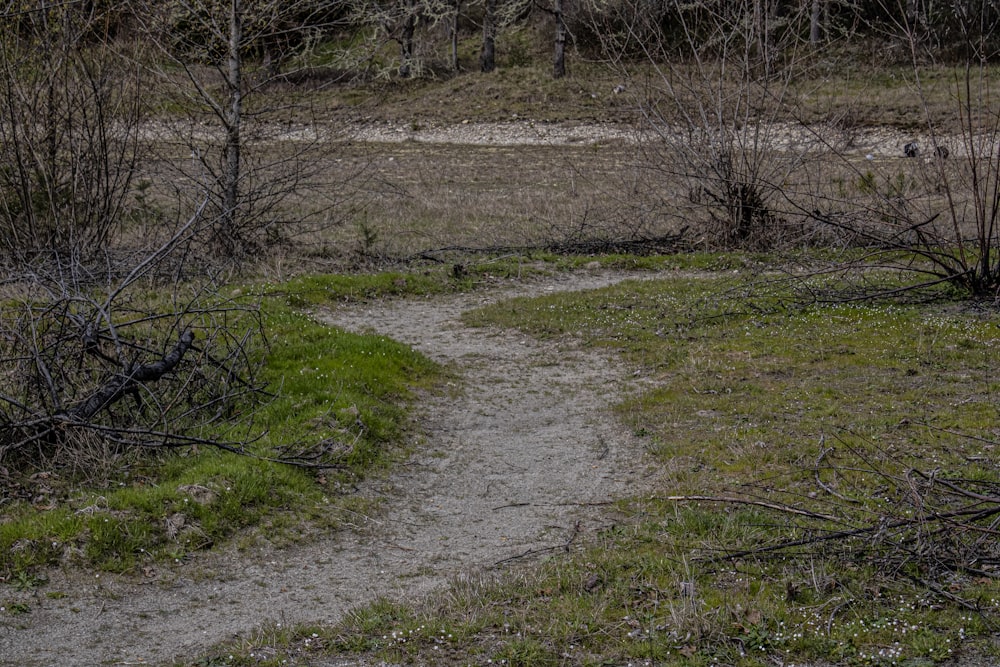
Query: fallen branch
[534,552]
[117,387]
[968,514]
[758,503]
[821,484]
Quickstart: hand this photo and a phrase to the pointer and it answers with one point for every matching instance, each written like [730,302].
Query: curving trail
[516,460]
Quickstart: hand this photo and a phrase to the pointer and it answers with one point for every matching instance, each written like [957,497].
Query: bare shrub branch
[68,135]
[130,363]
[714,104]
[918,525]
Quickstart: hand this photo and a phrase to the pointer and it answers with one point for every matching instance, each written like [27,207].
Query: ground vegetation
[171,218]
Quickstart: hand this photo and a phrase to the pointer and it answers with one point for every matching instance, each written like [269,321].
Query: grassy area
[826,413]
[822,411]
[337,394]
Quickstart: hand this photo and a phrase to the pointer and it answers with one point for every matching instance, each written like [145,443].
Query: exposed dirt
[878,142]
[517,459]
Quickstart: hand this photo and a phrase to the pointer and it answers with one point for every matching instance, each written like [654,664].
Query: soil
[875,143]
[518,460]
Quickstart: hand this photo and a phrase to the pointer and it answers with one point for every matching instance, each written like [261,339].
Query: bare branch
[116,388]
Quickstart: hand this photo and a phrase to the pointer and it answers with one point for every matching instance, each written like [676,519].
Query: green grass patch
[338,396]
[750,392]
[441,278]
[746,379]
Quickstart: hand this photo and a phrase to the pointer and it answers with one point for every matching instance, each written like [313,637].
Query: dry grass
[437,196]
[402,199]
[373,201]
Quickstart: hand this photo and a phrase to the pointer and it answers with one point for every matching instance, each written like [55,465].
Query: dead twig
[733,500]
[534,552]
[819,482]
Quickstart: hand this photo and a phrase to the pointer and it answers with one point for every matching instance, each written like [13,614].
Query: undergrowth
[339,401]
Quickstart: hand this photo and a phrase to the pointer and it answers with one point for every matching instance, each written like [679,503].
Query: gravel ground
[874,142]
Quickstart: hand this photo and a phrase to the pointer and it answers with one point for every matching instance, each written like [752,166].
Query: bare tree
[69,113]
[559,55]
[713,108]
[227,50]
[487,57]
[944,206]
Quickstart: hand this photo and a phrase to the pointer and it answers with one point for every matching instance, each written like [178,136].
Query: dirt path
[507,467]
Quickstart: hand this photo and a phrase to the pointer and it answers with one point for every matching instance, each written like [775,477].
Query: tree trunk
[406,41]
[765,18]
[815,24]
[487,57]
[454,36]
[559,61]
[228,233]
